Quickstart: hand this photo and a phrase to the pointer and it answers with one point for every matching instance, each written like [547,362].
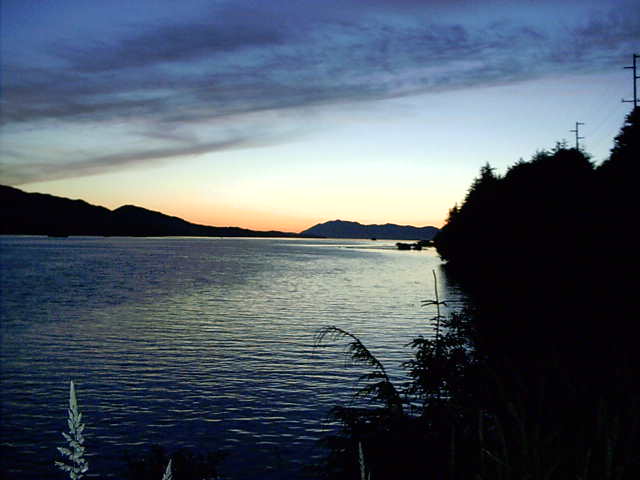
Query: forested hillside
[548,251]
[23,213]
[536,378]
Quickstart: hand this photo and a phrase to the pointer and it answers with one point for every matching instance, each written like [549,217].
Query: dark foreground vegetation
[538,377]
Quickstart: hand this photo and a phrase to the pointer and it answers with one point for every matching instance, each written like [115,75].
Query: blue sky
[281,114]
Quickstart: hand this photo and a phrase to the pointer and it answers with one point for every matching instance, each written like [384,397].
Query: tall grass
[168,475]
[75,464]
[378,385]
[477,418]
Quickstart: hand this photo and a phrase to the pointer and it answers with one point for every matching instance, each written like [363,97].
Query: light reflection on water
[204,343]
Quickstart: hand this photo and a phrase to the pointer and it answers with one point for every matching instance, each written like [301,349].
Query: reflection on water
[195,342]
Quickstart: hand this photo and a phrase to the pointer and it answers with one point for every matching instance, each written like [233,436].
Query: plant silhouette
[537,376]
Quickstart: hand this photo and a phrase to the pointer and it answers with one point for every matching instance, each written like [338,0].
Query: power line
[635,78]
[604,136]
[577,132]
[606,130]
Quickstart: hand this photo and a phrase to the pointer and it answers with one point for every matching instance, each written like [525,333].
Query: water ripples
[203,343]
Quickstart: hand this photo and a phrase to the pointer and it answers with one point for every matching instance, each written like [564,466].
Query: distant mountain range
[23,213]
[344,229]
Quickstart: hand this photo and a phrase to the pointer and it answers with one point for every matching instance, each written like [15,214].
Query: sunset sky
[279,114]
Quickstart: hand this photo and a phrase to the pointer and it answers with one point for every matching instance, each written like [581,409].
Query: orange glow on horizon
[266,221]
[228,216]
[200,209]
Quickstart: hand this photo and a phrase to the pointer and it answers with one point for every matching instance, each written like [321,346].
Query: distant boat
[419,245]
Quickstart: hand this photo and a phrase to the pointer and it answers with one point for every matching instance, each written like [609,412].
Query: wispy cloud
[168,44]
[17,174]
[235,60]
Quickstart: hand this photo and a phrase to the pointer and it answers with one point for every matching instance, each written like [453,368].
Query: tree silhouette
[546,254]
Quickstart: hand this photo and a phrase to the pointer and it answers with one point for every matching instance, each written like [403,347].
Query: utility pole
[577,132]
[635,77]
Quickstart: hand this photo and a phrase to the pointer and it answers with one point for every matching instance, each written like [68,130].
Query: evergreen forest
[537,377]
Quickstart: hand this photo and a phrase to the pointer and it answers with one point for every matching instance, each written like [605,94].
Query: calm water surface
[194,342]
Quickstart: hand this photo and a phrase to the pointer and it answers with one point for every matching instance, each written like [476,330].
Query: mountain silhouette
[345,229]
[23,213]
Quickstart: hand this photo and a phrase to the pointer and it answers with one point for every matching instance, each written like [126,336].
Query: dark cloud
[167,44]
[27,172]
[613,32]
[184,67]
[235,61]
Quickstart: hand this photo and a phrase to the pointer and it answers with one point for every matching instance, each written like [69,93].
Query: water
[194,342]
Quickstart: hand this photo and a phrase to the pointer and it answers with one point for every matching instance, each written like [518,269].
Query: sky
[280,114]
